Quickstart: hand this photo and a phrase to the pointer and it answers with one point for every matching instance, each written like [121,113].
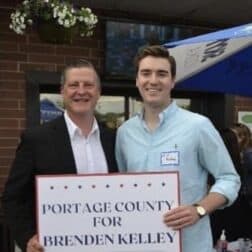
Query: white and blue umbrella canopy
[215,62]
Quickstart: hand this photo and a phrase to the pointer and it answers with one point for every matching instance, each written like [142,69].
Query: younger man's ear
[136,81]
[173,82]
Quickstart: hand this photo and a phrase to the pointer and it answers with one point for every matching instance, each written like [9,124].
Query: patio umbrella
[215,62]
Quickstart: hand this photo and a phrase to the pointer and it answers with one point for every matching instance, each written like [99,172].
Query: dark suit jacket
[45,149]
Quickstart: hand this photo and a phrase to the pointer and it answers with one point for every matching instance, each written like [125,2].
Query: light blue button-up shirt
[188,143]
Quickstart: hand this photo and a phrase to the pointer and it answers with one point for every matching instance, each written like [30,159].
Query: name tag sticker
[170,158]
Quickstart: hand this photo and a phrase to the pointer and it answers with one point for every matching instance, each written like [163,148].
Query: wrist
[201,211]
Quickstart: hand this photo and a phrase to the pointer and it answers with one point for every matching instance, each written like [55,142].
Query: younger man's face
[154,81]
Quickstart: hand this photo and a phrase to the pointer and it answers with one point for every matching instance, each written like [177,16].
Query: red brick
[45,58]
[238,98]
[5,161]
[13,37]
[37,48]
[7,152]
[66,50]
[60,67]
[4,26]
[248,102]
[242,99]
[12,113]
[37,67]
[9,133]
[95,53]
[13,56]
[100,70]
[86,43]
[22,104]
[7,3]
[4,171]
[101,45]
[8,123]
[22,84]
[12,94]
[9,142]
[243,108]
[8,46]
[9,85]
[11,76]
[99,26]
[69,59]
[22,124]
[9,104]
[95,62]
[8,65]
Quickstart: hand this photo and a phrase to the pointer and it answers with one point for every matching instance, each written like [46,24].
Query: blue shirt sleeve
[214,157]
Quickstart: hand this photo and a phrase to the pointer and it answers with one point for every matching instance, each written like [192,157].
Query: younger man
[145,142]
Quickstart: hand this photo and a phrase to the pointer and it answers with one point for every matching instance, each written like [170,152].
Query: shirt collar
[168,111]
[74,130]
[163,115]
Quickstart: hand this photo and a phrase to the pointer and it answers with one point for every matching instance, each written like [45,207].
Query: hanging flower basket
[57,21]
[50,32]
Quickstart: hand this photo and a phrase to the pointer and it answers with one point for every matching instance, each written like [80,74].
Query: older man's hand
[33,245]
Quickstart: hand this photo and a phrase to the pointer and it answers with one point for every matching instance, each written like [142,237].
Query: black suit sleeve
[19,193]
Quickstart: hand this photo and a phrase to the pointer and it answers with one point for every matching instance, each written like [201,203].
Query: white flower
[73,21]
[61,14]
[66,23]
[89,33]
[64,14]
[55,11]
[22,19]
[26,2]
[60,21]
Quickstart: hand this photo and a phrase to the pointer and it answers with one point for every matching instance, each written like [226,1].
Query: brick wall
[23,53]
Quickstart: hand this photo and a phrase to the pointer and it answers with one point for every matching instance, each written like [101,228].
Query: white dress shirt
[88,152]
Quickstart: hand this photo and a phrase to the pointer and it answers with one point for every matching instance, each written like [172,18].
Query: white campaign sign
[107,213]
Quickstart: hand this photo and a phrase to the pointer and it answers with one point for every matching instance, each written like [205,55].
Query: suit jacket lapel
[63,146]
